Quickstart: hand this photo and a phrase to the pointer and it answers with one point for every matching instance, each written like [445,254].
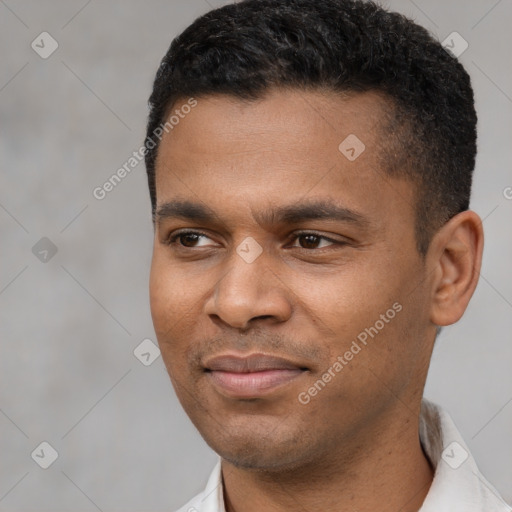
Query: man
[309,165]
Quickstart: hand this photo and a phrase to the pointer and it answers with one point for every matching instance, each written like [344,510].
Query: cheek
[171,290]
[363,314]
[166,292]
[345,301]
[158,294]
[176,301]
[167,319]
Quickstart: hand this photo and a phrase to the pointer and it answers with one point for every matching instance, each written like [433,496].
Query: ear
[455,255]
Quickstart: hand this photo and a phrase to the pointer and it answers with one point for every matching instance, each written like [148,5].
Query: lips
[251,376]
[248,364]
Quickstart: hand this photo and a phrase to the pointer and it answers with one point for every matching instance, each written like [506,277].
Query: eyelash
[172,239]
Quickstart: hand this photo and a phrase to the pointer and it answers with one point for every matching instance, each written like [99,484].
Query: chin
[259,452]
[258,461]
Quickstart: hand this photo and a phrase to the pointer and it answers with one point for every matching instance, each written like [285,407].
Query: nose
[248,293]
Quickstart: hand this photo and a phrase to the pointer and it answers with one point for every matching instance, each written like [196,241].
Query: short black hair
[244,49]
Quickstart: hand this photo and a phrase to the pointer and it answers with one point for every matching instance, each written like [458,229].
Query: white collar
[458,486]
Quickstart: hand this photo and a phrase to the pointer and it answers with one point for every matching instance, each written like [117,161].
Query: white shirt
[458,486]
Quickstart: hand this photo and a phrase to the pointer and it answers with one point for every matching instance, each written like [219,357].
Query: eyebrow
[291,214]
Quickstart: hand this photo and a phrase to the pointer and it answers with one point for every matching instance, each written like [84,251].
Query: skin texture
[354,445]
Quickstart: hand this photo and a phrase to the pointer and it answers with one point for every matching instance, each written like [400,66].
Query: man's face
[266,271]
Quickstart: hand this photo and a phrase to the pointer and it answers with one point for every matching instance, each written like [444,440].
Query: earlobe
[456,253]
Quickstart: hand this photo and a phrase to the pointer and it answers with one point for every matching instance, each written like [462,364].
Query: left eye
[312,241]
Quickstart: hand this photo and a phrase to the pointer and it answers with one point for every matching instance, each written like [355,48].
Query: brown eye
[188,239]
[309,241]
[313,241]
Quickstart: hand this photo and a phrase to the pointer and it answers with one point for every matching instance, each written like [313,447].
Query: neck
[383,469]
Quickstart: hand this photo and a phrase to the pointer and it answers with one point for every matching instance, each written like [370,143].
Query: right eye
[186,239]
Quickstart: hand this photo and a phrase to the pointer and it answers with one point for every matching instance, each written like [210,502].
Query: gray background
[69,325]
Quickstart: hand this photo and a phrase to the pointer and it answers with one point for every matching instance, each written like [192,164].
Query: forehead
[286,147]
[291,118]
